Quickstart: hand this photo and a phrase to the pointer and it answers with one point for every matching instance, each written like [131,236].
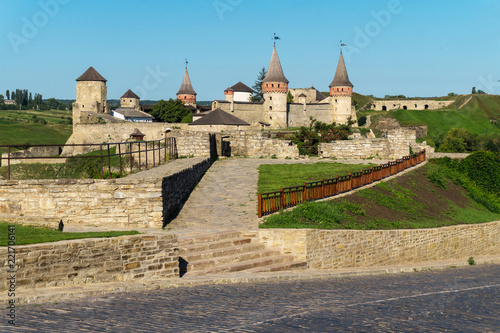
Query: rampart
[409,104]
[330,249]
[146,199]
[76,262]
[397,144]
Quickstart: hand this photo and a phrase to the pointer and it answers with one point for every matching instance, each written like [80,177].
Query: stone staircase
[230,251]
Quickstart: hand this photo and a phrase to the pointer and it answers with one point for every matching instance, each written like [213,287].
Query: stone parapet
[145,199]
[84,261]
[331,249]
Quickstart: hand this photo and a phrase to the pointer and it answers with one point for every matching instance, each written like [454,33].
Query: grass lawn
[407,202]
[34,235]
[272,177]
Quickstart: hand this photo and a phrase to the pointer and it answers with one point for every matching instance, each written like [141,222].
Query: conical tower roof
[341,79]
[275,72]
[186,87]
[91,75]
[130,94]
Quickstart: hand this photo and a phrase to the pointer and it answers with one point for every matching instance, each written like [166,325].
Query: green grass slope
[18,127]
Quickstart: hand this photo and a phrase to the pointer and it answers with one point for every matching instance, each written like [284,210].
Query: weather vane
[342,45]
[275,38]
[187,63]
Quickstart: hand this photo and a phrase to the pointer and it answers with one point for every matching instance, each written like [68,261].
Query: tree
[1,98]
[308,138]
[473,90]
[257,87]
[171,111]
[289,97]
[458,140]
[7,93]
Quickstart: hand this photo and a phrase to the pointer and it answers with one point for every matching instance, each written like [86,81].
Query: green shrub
[361,121]
[483,168]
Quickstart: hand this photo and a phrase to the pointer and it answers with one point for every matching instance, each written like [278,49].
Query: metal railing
[287,197]
[135,155]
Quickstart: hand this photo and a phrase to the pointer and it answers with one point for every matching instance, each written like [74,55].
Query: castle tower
[186,93]
[341,95]
[91,94]
[130,100]
[275,90]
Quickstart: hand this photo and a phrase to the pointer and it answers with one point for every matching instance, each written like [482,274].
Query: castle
[272,111]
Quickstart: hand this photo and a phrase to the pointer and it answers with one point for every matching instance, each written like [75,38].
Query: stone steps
[243,265]
[231,251]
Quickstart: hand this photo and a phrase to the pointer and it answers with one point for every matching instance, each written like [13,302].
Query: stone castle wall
[114,132]
[410,104]
[256,144]
[331,249]
[396,145]
[135,201]
[299,117]
[76,262]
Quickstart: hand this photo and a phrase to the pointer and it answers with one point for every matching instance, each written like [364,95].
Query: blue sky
[410,47]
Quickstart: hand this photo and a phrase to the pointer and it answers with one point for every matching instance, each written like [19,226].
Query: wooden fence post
[281,198]
[259,207]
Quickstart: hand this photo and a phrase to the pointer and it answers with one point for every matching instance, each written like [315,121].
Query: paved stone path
[456,299]
[226,197]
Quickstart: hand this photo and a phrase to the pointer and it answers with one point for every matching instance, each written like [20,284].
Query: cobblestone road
[226,197]
[455,299]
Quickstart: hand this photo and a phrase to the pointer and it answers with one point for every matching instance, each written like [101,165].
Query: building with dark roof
[239,92]
[130,100]
[218,120]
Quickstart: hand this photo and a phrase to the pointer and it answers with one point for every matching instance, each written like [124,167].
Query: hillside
[34,127]
[409,201]
[478,114]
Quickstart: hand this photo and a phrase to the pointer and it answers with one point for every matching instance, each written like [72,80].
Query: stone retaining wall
[330,249]
[145,199]
[396,145]
[75,262]
[255,144]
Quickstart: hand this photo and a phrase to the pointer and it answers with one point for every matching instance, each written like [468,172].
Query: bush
[361,121]
[458,140]
[483,168]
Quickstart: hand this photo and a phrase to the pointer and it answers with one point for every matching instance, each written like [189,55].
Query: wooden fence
[287,197]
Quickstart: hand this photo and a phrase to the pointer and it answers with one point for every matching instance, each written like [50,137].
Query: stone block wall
[192,143]
[330,249]
[76,262]
[141,200]
[396,145]
[255,144]
[415,104]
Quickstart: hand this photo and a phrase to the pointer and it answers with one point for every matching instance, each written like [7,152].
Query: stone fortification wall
[388,124]
[252,113]
[114,132]
[410,104]
[298,117]
[145,199]
[192,143]
[331,249]
[396,145]
[76,262]
[32,152]
[256,144]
